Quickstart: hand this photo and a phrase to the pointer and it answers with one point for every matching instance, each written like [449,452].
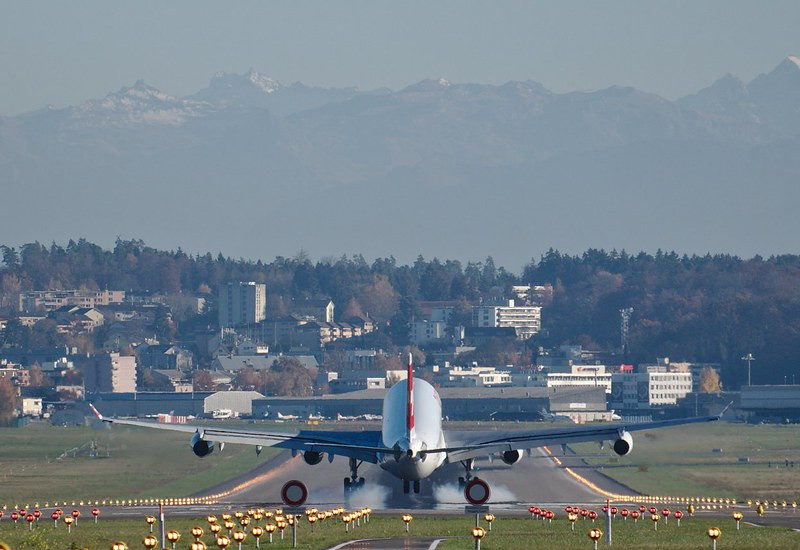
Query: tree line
[712,308]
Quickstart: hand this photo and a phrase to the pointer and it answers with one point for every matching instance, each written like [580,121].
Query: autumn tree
[289,377]
[248,379]
[709,381]
[378,298]
[8,401]
[353,309]
[36,377]
[204,381]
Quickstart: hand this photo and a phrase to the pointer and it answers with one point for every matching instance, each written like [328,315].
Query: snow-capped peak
[795,60]
[140,103]
[263,82]
[442,82]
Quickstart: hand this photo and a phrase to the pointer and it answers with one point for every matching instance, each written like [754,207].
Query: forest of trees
[713,308]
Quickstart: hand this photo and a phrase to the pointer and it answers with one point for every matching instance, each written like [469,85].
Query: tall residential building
[525,320]
[242,303]
[110,372]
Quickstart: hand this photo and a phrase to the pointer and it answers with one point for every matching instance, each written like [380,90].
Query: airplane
[288,416]
[222,414]
[411,443]
[368,417]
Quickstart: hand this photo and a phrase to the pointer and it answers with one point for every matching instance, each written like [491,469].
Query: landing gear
[353,482]
[467,464]
[407,486]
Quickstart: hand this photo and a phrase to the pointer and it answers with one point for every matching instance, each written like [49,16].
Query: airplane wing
[362,445]
[462,445]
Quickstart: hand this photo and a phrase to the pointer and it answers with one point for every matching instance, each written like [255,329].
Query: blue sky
[61,53]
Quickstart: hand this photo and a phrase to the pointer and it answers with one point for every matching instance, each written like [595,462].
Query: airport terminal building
[477,404]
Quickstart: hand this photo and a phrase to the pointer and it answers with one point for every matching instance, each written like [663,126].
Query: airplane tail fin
[410,399]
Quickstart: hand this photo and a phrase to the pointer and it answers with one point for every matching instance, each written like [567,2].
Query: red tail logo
[410,400]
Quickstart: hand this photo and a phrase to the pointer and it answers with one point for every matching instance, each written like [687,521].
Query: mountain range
[255,169]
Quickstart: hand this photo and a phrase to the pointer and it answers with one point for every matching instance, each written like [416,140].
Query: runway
[534,480]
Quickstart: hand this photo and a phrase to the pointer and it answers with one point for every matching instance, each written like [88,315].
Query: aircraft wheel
[361,481]
[348,485]
[416,486]
[406,486]
[461,483]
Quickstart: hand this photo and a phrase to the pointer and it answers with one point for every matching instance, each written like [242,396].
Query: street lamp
[749,358]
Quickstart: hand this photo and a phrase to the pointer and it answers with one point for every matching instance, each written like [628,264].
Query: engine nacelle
[512,457]
[313,457]
[624,444]
[201,447]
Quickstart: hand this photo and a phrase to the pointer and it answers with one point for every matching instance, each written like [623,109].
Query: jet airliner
[411,444]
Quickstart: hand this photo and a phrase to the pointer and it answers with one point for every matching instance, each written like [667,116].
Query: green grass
[507,534]
[132,463]
[682,462]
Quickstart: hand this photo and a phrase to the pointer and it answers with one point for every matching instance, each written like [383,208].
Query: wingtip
[96,412]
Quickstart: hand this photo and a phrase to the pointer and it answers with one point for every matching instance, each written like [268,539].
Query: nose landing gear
[407,486]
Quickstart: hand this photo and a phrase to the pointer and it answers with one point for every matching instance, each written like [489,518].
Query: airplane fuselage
[410,462]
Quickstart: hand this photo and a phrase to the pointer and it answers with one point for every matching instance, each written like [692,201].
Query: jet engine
[624,444]
[512,457]
[201,447]
[313,457]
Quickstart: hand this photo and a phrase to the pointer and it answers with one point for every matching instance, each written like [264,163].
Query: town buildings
[49,300]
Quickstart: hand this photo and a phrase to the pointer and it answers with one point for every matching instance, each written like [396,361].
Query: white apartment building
[424,331]
[110,372]
[641,390]
[525,320]
[49,300]
[472,377]
[242,303]
[580,376]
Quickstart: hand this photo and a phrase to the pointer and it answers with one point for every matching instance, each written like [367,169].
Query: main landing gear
[407,486]
[353,482]
[467,464]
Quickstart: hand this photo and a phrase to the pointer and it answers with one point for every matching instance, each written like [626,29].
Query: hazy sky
[62,53]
